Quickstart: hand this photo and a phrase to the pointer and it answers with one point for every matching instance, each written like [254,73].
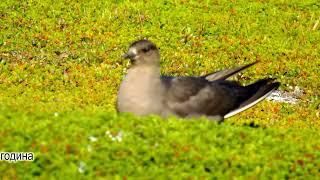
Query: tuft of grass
[60,69]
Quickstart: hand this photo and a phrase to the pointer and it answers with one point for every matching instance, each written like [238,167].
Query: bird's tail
[260,90]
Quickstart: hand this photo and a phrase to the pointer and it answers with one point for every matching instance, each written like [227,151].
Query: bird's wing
[262,89]
[196,96]
[224,74]
[187,96]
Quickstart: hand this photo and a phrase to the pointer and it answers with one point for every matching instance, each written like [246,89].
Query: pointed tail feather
[263,89]
[224,74]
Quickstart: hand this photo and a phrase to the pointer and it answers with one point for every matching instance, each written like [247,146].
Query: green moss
[60,68]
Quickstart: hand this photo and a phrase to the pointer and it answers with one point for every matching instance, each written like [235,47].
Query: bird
[144,91]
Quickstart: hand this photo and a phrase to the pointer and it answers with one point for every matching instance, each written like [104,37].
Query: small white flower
[117,137]
[93,139]
[81,167]
[56,114]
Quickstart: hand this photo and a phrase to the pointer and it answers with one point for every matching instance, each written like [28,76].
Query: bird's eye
[145,50]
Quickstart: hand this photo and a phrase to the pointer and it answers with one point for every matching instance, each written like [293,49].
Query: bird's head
[143,52]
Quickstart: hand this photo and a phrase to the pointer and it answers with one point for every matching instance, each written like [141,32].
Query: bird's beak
[125,56]
[129,55]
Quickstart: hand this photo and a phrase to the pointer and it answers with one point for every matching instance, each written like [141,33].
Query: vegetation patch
[60,68]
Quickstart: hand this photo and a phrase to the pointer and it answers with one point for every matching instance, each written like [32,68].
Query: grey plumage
[143,91]
[224,74]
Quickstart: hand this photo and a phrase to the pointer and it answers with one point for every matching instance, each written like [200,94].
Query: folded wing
[187,96]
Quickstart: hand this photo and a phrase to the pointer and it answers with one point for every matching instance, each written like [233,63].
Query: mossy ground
[60,68]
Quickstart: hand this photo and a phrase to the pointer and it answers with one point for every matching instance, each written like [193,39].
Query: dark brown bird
[144,91]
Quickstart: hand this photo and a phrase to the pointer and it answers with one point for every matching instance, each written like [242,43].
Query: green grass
[60,68]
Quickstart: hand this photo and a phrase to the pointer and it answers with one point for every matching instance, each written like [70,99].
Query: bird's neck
[142,71]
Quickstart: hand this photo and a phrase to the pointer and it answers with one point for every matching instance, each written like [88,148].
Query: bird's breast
[141,93]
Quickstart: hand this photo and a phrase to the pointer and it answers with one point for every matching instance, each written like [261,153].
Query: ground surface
[60,68]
